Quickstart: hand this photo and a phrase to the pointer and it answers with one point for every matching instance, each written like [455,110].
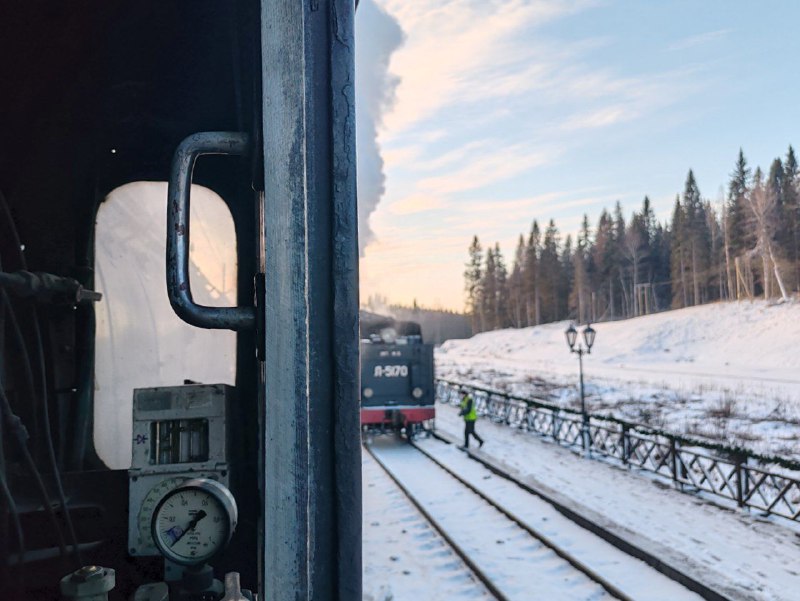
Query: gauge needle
[197,517]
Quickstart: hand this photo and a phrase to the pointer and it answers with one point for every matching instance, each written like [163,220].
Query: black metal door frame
[310,428]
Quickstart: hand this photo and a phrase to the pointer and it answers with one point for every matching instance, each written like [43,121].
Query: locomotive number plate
[390,371]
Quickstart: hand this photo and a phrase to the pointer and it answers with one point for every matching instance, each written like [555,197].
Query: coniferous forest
[744,246]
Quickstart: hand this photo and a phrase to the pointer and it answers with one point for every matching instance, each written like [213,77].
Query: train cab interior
[114,393]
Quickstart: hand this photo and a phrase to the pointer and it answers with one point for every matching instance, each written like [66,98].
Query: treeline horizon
[437,325]
[747,248]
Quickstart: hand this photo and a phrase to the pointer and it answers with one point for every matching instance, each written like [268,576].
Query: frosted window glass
[140,341]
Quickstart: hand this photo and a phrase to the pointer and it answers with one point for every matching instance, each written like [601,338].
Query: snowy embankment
[741,555]
[729,372]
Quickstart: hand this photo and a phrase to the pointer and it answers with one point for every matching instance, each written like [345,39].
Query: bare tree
[726,240]
[763,206]
[635,249]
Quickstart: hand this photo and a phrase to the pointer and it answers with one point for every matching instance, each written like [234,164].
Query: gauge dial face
[145,519]
[193,522]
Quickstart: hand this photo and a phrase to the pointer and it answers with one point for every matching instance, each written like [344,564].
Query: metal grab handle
[180,184]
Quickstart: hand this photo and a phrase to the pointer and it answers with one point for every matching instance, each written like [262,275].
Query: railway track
[672,569]
[508,551]
[405,559]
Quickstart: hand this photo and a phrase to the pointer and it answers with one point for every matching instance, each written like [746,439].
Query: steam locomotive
[397,390]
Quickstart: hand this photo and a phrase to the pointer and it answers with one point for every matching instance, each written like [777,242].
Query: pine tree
[648,229]
[776,187]
[579,296]
[698,239]
[635,249]
[603,259]
[516,286]
[566,278]
[715,277]
[489,292]
[473,279]
[678,257]
[705,253]
[501,279]
[662,267]
[648,218]
[618,262]
[739,237]
[532,276]
[549,273]
[591,269]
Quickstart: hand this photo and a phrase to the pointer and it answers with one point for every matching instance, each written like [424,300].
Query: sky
[476,117]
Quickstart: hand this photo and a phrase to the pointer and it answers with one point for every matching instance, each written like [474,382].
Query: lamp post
[588,338]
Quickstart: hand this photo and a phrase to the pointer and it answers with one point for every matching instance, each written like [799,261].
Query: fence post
[586,434]
[556,423]
[739,481]
[673,459]
[625,444]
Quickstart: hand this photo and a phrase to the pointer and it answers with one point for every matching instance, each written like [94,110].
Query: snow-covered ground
[729,372]
[404,558]
[742,556]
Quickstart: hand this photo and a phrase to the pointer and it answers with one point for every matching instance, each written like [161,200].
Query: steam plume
[378,34]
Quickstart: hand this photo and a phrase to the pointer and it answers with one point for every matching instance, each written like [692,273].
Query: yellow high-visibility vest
[472,414]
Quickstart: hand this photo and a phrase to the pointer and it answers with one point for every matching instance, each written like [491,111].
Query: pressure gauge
[194,522]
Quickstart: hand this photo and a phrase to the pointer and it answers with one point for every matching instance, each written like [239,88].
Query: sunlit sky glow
[512,110]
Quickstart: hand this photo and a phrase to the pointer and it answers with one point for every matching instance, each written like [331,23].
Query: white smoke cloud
[378,35]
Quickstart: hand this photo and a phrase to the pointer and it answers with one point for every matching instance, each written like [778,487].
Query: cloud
[532,204]
[414,204]
[455,156]
[487,168]
[461,49]
[699,39]
[603,117]
[462,52]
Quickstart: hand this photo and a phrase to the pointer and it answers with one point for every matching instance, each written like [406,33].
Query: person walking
[470,415]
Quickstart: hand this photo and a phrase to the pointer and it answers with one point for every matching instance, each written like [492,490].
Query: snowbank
[726,371]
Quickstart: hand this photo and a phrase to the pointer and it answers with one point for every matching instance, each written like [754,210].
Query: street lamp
[588,338]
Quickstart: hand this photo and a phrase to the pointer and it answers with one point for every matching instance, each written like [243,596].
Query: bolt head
[86,573]
[88,580]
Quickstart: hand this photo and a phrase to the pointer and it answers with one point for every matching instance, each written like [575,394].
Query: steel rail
[479,574]
[542,538]
[607,535]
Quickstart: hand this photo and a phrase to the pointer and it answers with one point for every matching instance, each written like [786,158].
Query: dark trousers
[469,428]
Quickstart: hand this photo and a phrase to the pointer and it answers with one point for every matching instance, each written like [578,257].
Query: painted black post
[584,416]
[556,423]
[311,439]
[739,481]
[588,337]
[673,455]
[626,444]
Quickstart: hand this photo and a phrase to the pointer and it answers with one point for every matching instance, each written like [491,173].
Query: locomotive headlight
[368,392]
[417,392]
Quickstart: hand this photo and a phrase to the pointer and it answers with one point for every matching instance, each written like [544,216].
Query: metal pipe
[180,184]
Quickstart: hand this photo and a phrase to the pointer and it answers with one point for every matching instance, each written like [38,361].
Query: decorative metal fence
[767,484]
